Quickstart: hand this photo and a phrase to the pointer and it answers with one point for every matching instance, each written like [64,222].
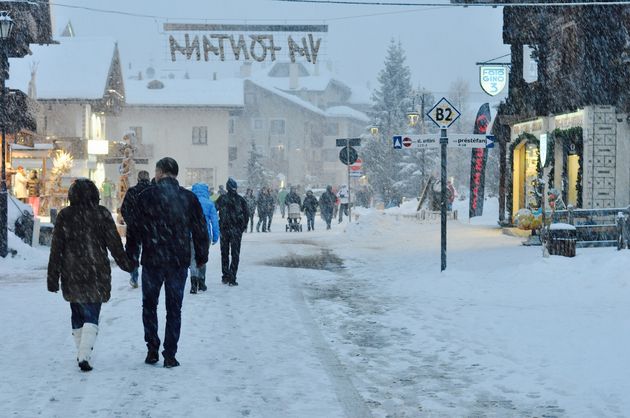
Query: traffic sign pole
[443,206]
[348,167]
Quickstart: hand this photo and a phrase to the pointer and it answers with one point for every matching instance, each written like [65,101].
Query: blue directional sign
[490,143]
[397,141]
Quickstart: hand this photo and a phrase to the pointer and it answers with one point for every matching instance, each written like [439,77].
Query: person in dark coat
[310,208]
[233,219]
[264,205]
[129,208]
[327,205]
[83,233]
[291,198]
[168,216]
[251,207]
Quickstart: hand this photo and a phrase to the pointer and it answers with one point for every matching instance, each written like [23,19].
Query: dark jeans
[230,243]
[262,219]
[310,220]
[327,214]
[343,209]
[84,312]
[251,222]
[174,280]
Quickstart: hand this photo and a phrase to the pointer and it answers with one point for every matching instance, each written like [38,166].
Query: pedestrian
[293,198]
[272,201]
[282,194]
[198,275]
[344,201]
[233,219]
[327,205]
[33,186]
[263,206]
[129,210]
[450,194]
[107,192]
[251,207]
[83,233]
[168,216]
[221,191]
[20,189]
[310,208]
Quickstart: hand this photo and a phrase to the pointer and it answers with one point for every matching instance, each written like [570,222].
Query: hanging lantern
[6,25]
[374,131]
[412,118]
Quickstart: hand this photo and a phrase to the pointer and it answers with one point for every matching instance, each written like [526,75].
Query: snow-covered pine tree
[257,175]
[391,101]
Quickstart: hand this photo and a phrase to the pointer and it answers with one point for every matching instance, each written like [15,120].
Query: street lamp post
[6,26]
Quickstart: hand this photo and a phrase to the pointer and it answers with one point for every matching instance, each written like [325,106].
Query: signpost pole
[443,143]
[348,168]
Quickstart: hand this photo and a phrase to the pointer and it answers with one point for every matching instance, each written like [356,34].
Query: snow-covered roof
[77,68]
[290,97]
[185,92]
[346,112]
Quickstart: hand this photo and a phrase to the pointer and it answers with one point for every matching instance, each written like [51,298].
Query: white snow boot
[76,334]
[88,338]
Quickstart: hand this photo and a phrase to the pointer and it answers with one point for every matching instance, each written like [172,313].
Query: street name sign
[433,141]
[443,114]
[353,142]
[470,141]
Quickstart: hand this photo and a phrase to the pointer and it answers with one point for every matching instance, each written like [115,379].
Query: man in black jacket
[168,215]
[129,208]
[233,217]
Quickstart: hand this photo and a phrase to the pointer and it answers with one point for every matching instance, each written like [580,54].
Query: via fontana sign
[492,78]
[209,42]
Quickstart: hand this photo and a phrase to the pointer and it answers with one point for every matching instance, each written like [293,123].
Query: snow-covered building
[79,85]
[567,117]
[186,119]
[294,117]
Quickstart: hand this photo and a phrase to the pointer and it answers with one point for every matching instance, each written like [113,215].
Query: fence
[594,227]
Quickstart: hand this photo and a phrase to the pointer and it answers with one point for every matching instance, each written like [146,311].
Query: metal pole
[4,245]
[443,142]
[348,169]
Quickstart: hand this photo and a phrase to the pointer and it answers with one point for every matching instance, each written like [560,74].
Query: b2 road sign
[443,114]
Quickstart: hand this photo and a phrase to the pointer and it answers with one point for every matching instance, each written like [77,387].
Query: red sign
[407,142]
[358,164]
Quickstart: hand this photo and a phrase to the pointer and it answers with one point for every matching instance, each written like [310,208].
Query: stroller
[294,217]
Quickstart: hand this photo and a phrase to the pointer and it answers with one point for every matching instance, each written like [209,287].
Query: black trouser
[262,219]
[343,210]
[310,220]
[328,215]
[230,243]
[251,222]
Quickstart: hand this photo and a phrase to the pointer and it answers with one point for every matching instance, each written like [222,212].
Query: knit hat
[231,184]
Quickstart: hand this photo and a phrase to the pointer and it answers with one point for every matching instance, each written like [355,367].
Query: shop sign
[225,42]
[492,78]
[24,140]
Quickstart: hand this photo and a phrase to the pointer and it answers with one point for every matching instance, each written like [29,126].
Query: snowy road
[502,332]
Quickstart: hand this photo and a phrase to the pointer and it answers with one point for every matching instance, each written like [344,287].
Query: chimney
[246,70]
[293,76]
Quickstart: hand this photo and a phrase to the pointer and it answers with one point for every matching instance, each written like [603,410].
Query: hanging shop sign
[492,78]
[223,42]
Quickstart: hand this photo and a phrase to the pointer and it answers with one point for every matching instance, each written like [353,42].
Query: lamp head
[6,25]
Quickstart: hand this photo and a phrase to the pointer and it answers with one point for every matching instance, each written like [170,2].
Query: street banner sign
[443,114]
[353,142]
[470,141]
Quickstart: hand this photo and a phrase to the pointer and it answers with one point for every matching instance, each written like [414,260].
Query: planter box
[562,240]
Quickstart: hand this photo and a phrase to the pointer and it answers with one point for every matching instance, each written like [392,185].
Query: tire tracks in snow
[351,401]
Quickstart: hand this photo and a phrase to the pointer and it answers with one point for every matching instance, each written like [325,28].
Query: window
[258,124]
[332,128]
[232,153]
[200,135]
[200,175]
[276,126]
[232,126]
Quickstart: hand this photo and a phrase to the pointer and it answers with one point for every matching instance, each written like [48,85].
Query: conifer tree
[257,175]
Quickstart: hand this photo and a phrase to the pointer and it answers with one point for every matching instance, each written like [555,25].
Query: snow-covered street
[373,330]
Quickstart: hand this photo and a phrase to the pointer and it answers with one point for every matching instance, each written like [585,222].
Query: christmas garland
[569,136]
[526,138]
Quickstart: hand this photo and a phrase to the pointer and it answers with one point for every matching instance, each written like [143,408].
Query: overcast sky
[442,43]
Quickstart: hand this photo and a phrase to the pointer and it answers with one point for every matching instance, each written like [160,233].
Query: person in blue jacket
[198,275]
